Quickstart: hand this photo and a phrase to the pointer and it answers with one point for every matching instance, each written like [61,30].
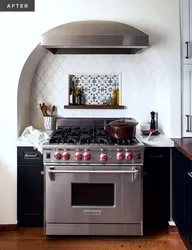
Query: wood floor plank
[34,239]
[158,245]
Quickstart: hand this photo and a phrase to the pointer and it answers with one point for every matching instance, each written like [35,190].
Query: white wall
[24,88]
[138,84]
[20,34]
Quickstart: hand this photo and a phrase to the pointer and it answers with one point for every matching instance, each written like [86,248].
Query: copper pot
[123,129]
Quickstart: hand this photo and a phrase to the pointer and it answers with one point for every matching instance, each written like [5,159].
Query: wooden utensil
[44,109]
[52,110]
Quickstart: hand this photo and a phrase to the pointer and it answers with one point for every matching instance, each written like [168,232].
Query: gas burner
[84,139]
[61,130]
[72,139]
[102,140]
[87,130]
[74,131]
[55,138]
[101,132]
[128,142]
[122,142]
[74,128]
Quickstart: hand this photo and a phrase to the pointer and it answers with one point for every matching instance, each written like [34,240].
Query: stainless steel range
[93,183]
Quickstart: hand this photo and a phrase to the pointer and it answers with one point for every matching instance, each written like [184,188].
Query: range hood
[95,37]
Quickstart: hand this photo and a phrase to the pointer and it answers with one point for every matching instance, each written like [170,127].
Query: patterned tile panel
[97,89]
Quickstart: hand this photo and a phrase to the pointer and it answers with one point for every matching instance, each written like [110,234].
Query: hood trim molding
[95,37]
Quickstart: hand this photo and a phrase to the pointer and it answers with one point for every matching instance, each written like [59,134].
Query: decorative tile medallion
[97,89]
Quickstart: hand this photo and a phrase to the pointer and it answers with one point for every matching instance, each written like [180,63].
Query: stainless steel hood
[95,37]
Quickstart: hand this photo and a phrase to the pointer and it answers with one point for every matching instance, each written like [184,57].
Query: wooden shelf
[93,107]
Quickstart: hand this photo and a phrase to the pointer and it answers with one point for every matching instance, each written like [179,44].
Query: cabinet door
[187,100]
[30,196]
[29,156]
[180,163]
[156,187]
[186,30]
[189,204]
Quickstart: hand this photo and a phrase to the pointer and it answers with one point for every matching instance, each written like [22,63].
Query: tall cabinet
[186,46]
[29,187]
[186,26]
[182,199]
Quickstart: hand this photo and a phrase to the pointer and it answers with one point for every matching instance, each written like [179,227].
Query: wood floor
[34,239]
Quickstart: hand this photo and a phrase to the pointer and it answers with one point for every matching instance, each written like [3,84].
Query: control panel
[119,156]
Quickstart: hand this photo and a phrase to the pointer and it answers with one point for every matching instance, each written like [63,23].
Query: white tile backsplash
[50,84]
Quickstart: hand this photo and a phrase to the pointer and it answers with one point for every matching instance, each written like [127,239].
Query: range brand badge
[17,5]
[92,212]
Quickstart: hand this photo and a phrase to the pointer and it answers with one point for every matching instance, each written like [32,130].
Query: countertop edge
[160,140]
[182,148]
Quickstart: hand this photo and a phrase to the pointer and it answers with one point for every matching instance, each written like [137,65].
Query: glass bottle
[75,95]
[74,91]
[114,98]
[82,96]
[117,96]
[71,94]
[79,97]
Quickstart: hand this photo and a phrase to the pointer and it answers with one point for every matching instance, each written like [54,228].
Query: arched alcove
[147,61]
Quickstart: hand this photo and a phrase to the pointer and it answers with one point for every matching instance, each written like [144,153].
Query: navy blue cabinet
[156,187]
[180,163]
[182,195]
[189,204]
[29,187]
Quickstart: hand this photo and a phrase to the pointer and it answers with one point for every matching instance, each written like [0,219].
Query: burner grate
[85,139]
[87,130]
[87,135]
[72,139]
[102,140]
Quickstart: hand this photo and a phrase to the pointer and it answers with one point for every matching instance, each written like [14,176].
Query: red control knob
[66,156]
[103,157]
[78,156]
[120,156]
[57,156]
[87,156]
[128,156]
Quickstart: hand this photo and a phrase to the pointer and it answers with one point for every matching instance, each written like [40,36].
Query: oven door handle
[53,171]
[94,171]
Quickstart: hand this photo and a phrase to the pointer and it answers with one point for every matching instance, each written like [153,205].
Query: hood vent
[95,37]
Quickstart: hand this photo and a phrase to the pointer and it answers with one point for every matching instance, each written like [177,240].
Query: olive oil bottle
[115,98]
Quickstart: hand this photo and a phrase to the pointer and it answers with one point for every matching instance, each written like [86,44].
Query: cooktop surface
[86,135]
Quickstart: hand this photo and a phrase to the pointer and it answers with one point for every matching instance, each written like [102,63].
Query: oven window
[96,194]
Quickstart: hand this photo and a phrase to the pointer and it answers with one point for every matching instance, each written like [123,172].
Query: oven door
[93,194]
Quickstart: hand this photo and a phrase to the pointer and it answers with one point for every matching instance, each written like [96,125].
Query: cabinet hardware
[42,172]
[30,155]
[188,123]
[187,43]
[190,174]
